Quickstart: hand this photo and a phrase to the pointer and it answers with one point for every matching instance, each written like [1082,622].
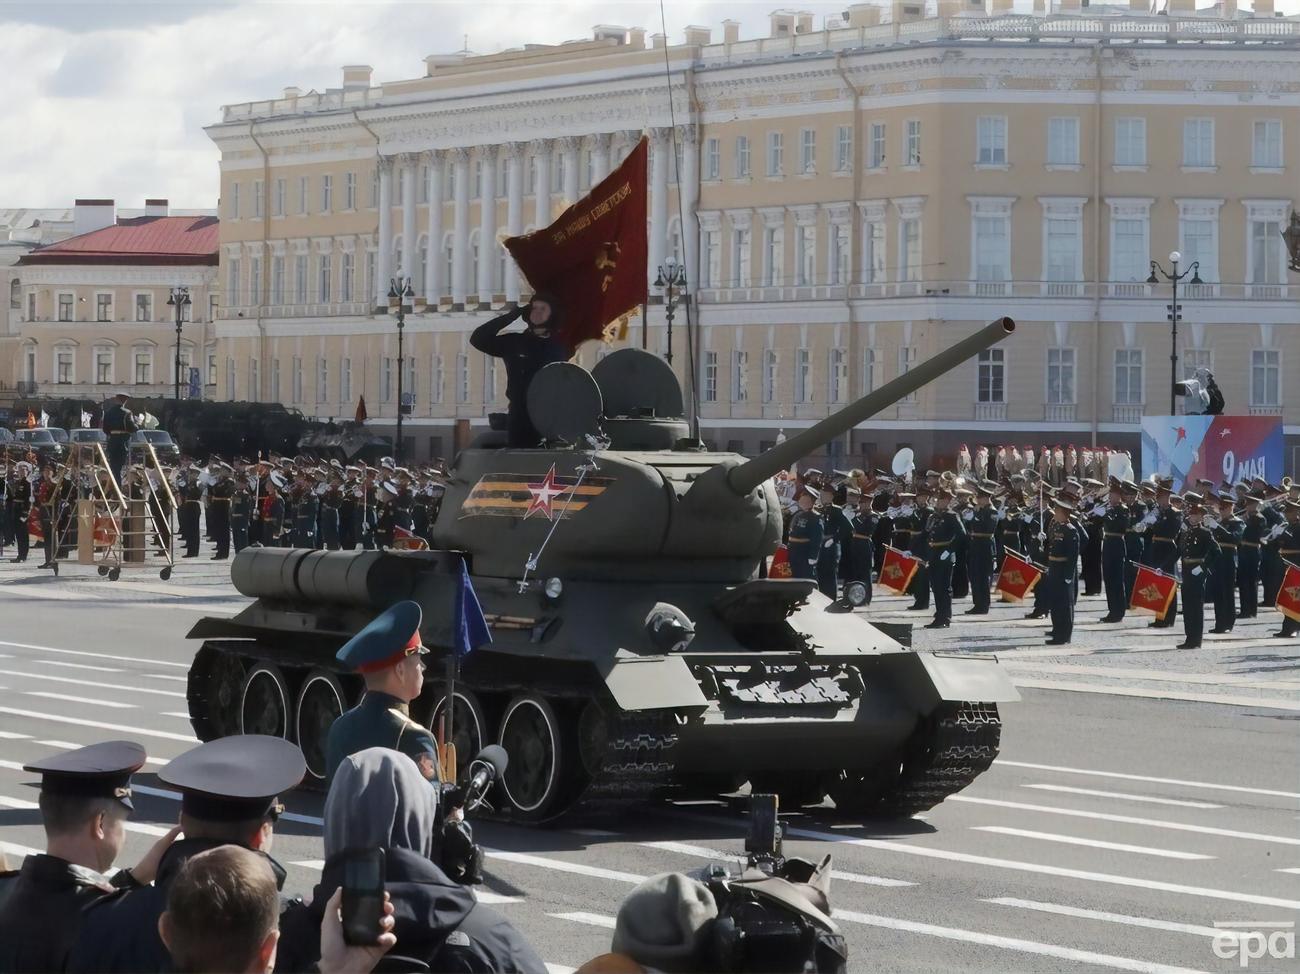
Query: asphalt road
[1114,831]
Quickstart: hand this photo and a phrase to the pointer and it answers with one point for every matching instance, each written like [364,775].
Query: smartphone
[764,837]
[363,896]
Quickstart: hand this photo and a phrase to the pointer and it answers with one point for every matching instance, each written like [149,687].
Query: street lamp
[1175,313]
[1292,237]
[672,281]
[399,296]
[179,300]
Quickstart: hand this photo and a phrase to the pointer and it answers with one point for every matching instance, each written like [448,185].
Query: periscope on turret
[637,650]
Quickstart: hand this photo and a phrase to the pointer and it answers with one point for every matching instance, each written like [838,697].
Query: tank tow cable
[597,444]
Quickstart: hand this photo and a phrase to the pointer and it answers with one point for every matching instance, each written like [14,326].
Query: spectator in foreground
[378,798]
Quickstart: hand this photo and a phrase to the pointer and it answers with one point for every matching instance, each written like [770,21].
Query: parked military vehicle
[350,443]
[638,651]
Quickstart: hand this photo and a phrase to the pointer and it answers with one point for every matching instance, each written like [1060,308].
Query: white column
[689,187]
[571,158]
[542,158]
[599,157]
[460,243]
[514,212]
[410,175]
[384,250]
[660,148]
[487,225]
[433,282]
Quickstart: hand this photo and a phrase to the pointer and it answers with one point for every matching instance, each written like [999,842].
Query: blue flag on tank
[471,628]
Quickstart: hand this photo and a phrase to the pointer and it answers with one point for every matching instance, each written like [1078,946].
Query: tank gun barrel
[744,478]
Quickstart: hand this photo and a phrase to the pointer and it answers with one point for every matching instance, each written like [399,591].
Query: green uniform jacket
[379,720]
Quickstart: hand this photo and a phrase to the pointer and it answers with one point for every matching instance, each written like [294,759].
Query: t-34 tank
[637,651]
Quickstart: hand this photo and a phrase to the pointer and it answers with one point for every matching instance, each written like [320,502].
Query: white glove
[891,512]
[1140,527]
[1042,535]
[946,556]
[1027,517]
[1277,531]
[830,542]
[1196,570]
[1099,509]
[968,515]
[1150,518]
[1210,522]
[999,514]
[812,562]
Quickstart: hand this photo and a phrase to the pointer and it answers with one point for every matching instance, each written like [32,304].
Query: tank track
[638,763]
[958,743]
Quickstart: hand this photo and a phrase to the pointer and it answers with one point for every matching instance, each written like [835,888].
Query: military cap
[97,771]
[1202,482]
[278,479]
[389,638]
[931,473]
[1254,498]
[963,492]
[1227,497]
[1089,482]
[905,495]
[1063,502]
[235,779]
[1191,497]
[811,492]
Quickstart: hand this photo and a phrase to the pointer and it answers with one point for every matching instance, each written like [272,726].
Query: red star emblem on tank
[544,494]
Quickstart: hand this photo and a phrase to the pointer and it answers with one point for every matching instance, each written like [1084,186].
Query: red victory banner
[1018,577]
[898,569]
[1288,596]
[1153,591]
[593,257]
[780,567]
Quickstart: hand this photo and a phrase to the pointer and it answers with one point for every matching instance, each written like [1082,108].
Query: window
[103,307]
[345,380]
[31,304]
[808,151]
[873,251]
[230,378]
[323,278]
[1199,242]
[1063,141]
[909,236]
[1063,248]
[302,195]
[1266,377]
[65,307]
[805,261]
[1130,141]
[462,378]
[349,191]
[742,157]
[740,257]
[232,283]
[710,258]
[912,143]
[104,366]
[326,193]
[278,200]
[144,307]
[838,264]
[300,279]
[837,376]
[255,280]
[558,167]
[1266,151]
[992,260]
[1129,260]
[991,139]
[1198,143]
[234,201]
[257,198]
[322,379]
[143,358]
[712,159]
[347,275]
[1128,376]
[710,377]
[436,380]
[992,376]
[1060,376]
[386,379]
[63,358]
[803,392]
[1196,358]
[876,146]
[868,370]
[296,379]
[277,279]
[739,376]
[773,255]
[775,153]
[843,148]
[771,363]
[1266,251]
[906,359]
[212,367]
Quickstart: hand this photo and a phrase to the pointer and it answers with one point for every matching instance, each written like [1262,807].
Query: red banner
[1153,591]
[1018,577]
[898,569]
[780,567]
[1288,596]
[593,257]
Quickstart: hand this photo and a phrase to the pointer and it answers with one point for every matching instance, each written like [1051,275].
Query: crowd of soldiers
[1228,544]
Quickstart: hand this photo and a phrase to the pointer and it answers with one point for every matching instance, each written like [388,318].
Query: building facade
[92,316]
[845,202]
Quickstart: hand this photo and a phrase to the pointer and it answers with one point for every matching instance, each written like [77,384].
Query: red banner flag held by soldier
[1288,596]
[1018,577]
[897,570]
[1153,591]
[593,257]
[781,564]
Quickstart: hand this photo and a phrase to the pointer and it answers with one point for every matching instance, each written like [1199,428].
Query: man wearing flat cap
[389,655]
[230,792]
[85,800]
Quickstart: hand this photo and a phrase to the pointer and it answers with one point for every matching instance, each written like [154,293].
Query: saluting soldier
[1061,544]
[804,543]
[980,550]
[1228,530]
[862,544]
[1289,551]
[944,532]
[1199,554]
[1114,552]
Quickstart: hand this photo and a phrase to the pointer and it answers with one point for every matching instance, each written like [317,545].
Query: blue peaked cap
[386,641]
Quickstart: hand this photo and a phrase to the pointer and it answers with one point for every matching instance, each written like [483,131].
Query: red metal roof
[139,240]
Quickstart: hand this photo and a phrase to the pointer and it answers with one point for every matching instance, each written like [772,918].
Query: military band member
[1228,531]
[1134,536]
[190,495]
[305,513]
[862,545]
[1061,545]
[981,530]
[1162,542]
[1271,567]
[271,515]
[805,541]
[331,501]
[1289,551]
[1114,553]
[1094,535]
[944,532]
[920,550]
[835,530]
[1198,553]
[222,515]
[1252,538]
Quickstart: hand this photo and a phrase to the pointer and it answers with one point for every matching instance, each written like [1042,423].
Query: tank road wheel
[264,702]
[531,735]
[320,702]
[215,680]
[469,727]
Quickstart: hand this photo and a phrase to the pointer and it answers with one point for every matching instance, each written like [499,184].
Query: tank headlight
[855,593]
[553,588]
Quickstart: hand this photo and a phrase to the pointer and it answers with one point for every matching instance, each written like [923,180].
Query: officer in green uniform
[944,531]
[1061,545]
[981,525]
[804,543]
[388,654]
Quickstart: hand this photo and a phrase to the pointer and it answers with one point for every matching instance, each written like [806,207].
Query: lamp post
[1292,237]
[1175,313]
[672,281]
[178,300]
[399,293]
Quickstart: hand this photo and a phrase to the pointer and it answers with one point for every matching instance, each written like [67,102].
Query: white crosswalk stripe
[1091,843]
[1074,911]
[1125,776]
[1122,796]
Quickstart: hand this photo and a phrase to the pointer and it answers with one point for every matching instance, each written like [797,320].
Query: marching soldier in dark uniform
[1162,544]
[1114,553]
[331,502]
[805,540]
[836,529]
[388,654]
[1271,568]
[118,423]
[1199,554]
[1061,545]
[1289,551]
[1094,530]
[304,516]
[1134,537]
[230,792]
[1252,537]
[862,545]
[944,532]
[981,550]
[190,496]
[271,516]
[85,800]
[919,548]
[221,515]
[1010,533]
[1228,531]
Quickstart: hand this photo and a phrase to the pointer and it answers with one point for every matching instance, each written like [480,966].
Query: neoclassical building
[845,201]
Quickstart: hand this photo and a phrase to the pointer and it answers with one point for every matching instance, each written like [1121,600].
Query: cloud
[80,17]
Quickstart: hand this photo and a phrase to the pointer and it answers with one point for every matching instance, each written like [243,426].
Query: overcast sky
[109,98]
